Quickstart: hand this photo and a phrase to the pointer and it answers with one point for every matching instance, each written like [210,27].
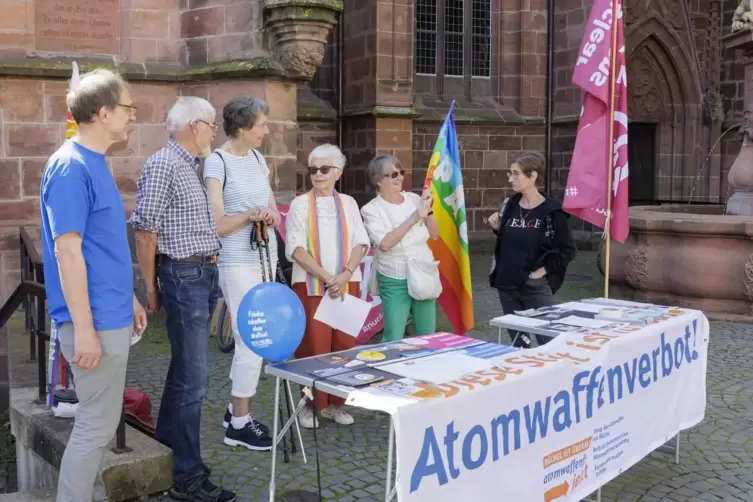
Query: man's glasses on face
[129,108]
[213,126]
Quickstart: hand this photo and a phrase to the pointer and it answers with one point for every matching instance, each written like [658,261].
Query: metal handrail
[32,287]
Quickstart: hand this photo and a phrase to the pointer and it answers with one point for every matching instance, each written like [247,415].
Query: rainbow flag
[70,125]
[445,180]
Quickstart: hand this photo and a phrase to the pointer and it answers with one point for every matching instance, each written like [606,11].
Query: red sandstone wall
[168,33]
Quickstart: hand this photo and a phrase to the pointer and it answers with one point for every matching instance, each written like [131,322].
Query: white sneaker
[338,415]
[306,418]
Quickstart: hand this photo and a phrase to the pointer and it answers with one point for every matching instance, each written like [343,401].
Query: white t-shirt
[296,232]
[380,218]
[246,181]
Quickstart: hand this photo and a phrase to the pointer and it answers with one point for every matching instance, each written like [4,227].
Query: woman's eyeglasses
[322,169]
[395,174]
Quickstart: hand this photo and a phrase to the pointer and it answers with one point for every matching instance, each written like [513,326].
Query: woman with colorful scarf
[326,241]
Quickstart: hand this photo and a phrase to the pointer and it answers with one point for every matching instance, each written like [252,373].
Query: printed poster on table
[556,423]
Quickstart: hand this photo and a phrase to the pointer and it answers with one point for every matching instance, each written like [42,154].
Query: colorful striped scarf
[314,285]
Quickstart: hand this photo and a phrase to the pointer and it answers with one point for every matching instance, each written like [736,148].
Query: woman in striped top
[237,180]
[326,241]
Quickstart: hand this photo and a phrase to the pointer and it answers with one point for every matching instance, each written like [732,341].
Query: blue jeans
[188,293]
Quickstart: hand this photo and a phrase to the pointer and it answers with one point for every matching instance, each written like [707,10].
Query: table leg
[517,335]
[597,499]
[297,424]
[390,452]
[275,428]
[499,336]
[677,448]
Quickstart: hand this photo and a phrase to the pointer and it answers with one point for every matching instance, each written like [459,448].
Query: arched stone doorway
[664,100]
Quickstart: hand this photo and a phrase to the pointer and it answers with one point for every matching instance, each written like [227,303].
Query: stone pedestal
[740,176]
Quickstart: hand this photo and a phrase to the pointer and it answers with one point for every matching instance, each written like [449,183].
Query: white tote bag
[423,279]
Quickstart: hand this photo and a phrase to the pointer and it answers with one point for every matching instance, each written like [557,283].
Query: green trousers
[397,305]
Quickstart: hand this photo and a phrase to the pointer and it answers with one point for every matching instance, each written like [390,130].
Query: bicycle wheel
[225,340]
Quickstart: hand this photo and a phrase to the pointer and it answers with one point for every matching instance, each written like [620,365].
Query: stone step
[40,443]
[30,496]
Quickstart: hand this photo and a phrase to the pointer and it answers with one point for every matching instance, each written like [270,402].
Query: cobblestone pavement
[716,461]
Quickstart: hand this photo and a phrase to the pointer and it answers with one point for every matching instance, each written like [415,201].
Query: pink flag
[586,189]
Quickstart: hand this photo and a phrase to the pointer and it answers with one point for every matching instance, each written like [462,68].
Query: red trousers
[320,338]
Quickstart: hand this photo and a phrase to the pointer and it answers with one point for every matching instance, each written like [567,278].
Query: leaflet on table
[409,348]
[438,368]
[431,368]
[611,302]
[559,329]
[360,378]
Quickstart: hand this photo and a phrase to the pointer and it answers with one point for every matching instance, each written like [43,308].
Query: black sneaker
[229,417]
[250,436]
[206,492]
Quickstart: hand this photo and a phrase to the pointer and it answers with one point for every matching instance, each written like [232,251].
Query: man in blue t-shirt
[89,276]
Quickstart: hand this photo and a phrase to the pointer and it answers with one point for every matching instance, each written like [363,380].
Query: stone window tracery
[453,38]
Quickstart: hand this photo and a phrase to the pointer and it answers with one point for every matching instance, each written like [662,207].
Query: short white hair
[328,151]
[186,111]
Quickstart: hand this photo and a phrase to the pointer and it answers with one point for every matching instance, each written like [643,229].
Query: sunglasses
[395,174]
[323,169]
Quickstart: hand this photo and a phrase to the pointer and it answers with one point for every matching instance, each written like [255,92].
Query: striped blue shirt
[246,181]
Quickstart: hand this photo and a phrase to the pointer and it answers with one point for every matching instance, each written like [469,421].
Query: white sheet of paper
[582,322]
[518,320]
[437,369]
[582,306]
[346,315]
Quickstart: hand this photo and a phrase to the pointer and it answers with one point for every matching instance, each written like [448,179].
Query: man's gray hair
[242,112]
[328,151]
[186,111]
[381,165]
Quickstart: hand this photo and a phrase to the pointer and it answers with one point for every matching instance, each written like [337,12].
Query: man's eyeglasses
[322,169]
[213,126]
[395,174]
[130,108]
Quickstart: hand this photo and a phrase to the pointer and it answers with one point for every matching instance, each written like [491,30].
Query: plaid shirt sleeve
[153,194]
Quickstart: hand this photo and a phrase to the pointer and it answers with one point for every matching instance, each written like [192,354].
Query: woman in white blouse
[400,225]
[326,241]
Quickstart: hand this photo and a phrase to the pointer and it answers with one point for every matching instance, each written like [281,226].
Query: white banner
[556,423]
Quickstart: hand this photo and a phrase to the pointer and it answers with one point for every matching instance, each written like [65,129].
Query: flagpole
[430,171]
[610,146]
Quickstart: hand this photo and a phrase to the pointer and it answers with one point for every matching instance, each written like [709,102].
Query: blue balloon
[271,321]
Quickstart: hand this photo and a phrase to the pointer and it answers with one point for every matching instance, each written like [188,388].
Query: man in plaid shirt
[177,246]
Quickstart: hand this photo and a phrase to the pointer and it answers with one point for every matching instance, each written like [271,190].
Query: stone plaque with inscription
[77,26]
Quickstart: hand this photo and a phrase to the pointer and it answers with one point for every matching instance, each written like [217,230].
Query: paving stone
[716,456]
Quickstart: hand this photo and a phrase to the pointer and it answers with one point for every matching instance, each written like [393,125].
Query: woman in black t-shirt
[534,243]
